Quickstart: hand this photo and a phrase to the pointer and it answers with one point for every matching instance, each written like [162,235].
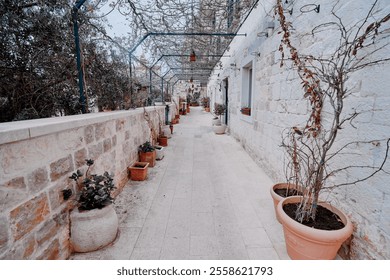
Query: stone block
[47,232]
[61,167]
[9,198]
[119,124]
[4,234]
[79,157]
[51,252]
[114,140]
[15,184]
[29,245]
[89,134]
[37,180]
[107,145]
[95,151]
[28,216]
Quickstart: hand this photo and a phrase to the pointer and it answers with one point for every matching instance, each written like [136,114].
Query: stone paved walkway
[207,199]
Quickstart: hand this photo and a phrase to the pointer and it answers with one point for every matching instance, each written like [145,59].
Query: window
[247,89]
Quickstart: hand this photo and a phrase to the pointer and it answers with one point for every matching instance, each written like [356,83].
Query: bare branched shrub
[311,149]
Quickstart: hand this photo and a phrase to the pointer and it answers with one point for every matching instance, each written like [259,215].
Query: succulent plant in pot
[147,153]
[94,223]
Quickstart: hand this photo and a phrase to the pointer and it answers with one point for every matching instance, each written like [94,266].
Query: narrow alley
[207,199]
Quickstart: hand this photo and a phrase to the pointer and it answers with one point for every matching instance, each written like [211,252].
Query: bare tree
[313,155]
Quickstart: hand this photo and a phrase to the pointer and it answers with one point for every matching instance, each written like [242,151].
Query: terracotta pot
[207,109]
[148,157]
[159,152]
[163,141]
[246,111]
[277,198]
[171,128]
[306,243]
[177,116]
[219,129]
[139,171]
[93,229]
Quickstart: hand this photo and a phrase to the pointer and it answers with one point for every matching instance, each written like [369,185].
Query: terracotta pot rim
[146,164]
[317,235]
[280,186]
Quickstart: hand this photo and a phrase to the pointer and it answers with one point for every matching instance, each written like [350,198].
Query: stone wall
[37,158]
[277,105]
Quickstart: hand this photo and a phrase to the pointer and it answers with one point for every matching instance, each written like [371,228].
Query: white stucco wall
[278,104]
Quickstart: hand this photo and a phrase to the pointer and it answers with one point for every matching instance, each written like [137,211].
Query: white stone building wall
[278,104]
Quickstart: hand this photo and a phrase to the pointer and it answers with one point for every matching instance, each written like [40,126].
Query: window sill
[246,118]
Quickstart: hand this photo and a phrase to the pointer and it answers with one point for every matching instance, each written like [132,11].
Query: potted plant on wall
[219,110]
[245,110]
[94,223]
[147,153]
[315,150]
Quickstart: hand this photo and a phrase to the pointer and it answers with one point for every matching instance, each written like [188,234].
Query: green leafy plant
[95,189]
[146,147]
[219,109]
[206,102]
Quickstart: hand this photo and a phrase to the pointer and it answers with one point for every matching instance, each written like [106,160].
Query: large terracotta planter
[306,243]
[148,157]
[163,141]
[276,197]
[93,229]
[139,171]
[219,129]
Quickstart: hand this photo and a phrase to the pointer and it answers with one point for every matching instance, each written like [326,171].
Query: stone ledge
[22,130]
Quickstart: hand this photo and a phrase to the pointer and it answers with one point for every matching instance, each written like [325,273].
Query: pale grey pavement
[207,199]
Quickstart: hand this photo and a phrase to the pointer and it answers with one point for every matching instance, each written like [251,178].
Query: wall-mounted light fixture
[269,29]
[257,54]
[310,7]
[288,6]
[233,66]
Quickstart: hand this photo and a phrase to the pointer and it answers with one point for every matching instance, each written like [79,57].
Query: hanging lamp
[192,56]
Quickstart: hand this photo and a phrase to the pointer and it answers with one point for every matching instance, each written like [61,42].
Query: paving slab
[207,199]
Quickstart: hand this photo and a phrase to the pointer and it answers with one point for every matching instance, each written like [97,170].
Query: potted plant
[206,103]
[280,191]
[313,153]
[94,223]
[147,153]
[163,140]
[246,111]
[138,171]
[159,152]
[219,110]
